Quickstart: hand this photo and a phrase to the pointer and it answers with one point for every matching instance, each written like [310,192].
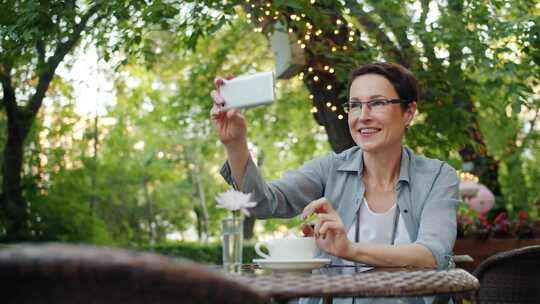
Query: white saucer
[292,265]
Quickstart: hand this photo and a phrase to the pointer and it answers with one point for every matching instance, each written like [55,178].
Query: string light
[351,33]
[267,13]
[351,39]
[307,37]
[312,1]
[334,108]
[318,32]
[293,17]
[349,24]
[329,104]
[314,110]
[290,30]
[331,71]
[310,69]
[310,96]
[248,15]
[308,25]
[303,46]
[336,32]
[340,117]
[334,49]
[329,87]
[345,47]
[338,22]
[326,68]
[315,78]
[268,4]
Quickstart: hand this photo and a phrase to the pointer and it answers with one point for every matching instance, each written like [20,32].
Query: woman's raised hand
[329,232]
[230,126]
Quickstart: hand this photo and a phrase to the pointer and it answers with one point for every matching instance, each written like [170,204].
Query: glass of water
[233,237]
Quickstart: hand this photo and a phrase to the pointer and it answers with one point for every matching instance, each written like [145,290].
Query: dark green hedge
[203,253]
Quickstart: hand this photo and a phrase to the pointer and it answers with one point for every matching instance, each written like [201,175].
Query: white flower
[234,201]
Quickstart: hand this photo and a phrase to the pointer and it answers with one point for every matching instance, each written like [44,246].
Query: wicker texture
[367,284]
[510,277]
[57,273]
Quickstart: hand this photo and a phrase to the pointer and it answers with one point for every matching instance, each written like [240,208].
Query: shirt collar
[353,162]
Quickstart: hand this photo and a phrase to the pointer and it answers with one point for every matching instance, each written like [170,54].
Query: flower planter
[480,250]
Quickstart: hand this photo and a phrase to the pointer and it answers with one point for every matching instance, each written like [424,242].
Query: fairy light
[267,13]
[340,117]
[329,87]
[310,69]
[310,96]
[316,78]
[334,49]
[308,25]
[299,41]
[248,15]
[303,15]
[318,32]
[349,24]
[351,38]
[314,110]
[345,47]
[303,46]
[329,104]
[334,108]
[336,32]
[293,17]
[312,1]
[268,4]
[326,68]
[338,22]
[307,37]
[290,30]
[351,33]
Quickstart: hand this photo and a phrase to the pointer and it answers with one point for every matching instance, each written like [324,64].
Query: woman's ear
[409,112]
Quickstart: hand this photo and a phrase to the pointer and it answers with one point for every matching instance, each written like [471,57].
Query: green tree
[463,52]
[35,37]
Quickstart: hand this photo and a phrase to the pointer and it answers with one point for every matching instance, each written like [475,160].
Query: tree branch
[9,100]
[398,23]
[374,31]
[61,51]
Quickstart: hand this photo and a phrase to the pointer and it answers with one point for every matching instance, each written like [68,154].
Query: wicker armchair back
[59,273]
[510,277]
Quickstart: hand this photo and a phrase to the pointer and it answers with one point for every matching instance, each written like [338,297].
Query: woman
[377,203]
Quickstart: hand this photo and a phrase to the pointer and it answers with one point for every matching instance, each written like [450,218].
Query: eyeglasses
[374,106]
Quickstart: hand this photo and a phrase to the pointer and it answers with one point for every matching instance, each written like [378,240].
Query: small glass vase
[233,239]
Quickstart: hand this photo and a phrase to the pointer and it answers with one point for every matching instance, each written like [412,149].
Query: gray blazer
[427,195]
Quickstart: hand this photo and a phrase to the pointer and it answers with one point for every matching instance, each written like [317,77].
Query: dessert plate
[292,265]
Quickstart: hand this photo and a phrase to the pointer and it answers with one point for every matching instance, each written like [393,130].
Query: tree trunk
[14,205]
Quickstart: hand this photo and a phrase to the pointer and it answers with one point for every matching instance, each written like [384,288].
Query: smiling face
[383,129]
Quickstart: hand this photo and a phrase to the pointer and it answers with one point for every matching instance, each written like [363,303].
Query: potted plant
[482,235]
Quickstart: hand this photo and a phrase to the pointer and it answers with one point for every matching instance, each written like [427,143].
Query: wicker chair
[55,273]
[510,277]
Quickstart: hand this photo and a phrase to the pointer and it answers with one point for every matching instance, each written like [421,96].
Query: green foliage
[210,253]
[155,166]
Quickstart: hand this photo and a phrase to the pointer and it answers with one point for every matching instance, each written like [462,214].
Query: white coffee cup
[290,248]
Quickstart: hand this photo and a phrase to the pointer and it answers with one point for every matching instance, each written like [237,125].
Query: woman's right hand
[230,126]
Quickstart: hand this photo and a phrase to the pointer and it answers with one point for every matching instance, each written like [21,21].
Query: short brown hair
[399,76]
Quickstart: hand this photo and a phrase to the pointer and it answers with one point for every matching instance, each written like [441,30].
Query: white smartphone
[248,91]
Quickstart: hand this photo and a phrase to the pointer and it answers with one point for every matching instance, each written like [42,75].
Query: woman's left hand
[329,232]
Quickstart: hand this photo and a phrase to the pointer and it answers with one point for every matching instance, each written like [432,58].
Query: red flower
[523,215]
